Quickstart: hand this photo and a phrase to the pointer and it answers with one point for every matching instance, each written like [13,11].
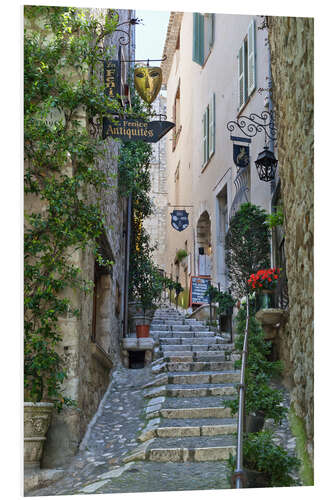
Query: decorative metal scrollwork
[252,124]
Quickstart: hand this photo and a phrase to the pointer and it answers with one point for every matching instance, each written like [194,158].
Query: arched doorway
[203,245]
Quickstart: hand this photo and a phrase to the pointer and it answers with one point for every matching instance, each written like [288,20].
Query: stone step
[192,430]
[178,327]
[184,391]
[191,449]
[183,357]
[186,348]
[193,412]
[221,377]
[186,379]
[197,366]
[197,340]
[182,335]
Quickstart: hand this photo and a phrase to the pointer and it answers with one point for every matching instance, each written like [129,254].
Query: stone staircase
[186,413]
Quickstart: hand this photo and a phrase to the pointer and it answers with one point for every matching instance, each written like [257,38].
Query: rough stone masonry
[291,41]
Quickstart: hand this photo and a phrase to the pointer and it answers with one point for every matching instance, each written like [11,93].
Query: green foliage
[181,254]
[247,246]
[298,429]
[224,299]
[261,454]
[61,82]
[276,218]
[260,397]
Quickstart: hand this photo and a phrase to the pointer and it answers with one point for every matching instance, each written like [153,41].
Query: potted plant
[181,256]
[265,463]
[43,374]
[146,288]
[261,400]
[263,282]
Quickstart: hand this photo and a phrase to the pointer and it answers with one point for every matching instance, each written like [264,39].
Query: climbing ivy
[63,183]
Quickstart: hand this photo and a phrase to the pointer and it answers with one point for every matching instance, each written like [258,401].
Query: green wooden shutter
[205,138]
[198,38]
[211,29]
[251,61]
[211,117]
[241,76]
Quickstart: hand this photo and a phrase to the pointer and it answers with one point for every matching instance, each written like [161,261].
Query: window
[247,66]
[208,123]
[203,36]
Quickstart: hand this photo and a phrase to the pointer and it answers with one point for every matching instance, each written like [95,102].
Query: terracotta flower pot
[142,331]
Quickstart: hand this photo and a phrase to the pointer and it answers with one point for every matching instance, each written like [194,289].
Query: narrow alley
[168,250]
[171,411]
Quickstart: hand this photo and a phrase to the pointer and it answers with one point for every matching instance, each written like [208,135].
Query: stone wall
[88,366]
[291,43]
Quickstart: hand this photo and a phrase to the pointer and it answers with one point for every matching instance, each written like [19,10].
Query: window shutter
[241,76]
[251,64]
[198,38]
[205,137]
[211,29]
[211,116]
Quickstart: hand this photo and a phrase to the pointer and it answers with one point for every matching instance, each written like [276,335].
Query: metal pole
[220,326]
[127,257]
[239,472]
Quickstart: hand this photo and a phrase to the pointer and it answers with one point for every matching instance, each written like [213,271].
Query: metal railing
[239,475]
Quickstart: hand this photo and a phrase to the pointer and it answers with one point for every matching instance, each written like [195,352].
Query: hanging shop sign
[135,129]
[241,155]
[198,289]
[179,220]
[112,78]
[148,82]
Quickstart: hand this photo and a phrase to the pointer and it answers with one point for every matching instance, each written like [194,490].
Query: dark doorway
[136,359]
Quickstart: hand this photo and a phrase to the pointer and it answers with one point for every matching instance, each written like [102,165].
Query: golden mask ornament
[148,82]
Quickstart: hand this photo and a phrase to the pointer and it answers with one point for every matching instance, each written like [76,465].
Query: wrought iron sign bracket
[252,124]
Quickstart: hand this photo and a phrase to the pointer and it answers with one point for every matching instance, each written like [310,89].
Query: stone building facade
[91,343]
[156,224]
[291,42]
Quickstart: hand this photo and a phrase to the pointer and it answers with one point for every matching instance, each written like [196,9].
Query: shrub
[261,454]
[247,246]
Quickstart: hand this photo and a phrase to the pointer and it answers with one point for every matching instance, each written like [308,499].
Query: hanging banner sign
[198,289]
[179,220]
[135,129]
[241,155]
[112,78]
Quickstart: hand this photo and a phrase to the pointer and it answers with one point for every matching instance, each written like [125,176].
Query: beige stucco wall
[195,186]
[291,41]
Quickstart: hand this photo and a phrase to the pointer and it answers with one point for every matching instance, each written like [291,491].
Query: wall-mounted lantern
[266,164]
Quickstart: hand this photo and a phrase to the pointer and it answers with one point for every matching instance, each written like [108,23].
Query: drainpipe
[127,259]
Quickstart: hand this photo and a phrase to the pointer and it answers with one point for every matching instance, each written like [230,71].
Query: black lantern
[266,164]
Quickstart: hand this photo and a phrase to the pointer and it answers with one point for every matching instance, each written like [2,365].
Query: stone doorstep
[138,344]
[190,455]
[40,478]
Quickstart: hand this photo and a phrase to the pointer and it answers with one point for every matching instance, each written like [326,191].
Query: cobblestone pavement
[98,468]
[101,466]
